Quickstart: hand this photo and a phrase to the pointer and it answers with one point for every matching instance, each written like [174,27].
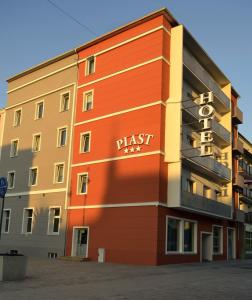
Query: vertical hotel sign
[206,112]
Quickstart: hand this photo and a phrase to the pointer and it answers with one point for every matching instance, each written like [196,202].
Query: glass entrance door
[81,237]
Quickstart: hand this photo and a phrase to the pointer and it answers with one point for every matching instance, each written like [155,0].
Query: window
[248,241]
[27,220]
[14,148]
[88,100]
[59,173]
[206,191]
[17,117]
[82,183]
[191,186]
[173,235]
[217,240]
[39,110]
[33,176]
[181,236]
[188,236]
[85,142]
[11,179]
[6,221]
[62,136]
[90,65]
[64,102]
[54,220]
[36,142]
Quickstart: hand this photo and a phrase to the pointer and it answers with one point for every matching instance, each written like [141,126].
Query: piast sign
[134,143]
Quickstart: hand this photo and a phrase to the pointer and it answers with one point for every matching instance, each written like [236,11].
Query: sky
[32,31]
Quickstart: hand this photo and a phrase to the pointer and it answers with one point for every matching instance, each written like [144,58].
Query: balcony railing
[248,217]
[237,115]
[238,147]
[245,169]
[220,133]
[205,205]
[206,164]
[195,67]
[246,196]
[239,216]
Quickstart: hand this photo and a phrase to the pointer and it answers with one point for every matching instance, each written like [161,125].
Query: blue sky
[32,31]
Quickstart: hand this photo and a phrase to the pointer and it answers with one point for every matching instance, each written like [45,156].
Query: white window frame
[84,100]
[14,117]
[181,236]
[23,222]
[11,147]
[36,109]
[55,171]
[81,136]
[58,136]
[14,179]
[33,139]
[61,101]
[50,224]
[29,182]
[221,239]
[4,219]
[88,63]
[78,183]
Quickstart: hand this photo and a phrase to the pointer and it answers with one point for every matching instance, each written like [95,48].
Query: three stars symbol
[132,149]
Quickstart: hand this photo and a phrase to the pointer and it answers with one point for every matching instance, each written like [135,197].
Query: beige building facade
[36,147]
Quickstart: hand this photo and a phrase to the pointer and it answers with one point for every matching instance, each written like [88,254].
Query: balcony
[248,217]
[221,135]
[238,181]
[245,170]
[238,147]
[246,196]
[237,116]
[206,165]
[205,205]
[195,74]
[239,216]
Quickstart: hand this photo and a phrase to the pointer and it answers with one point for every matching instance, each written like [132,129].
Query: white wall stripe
[124,70]
[49,191]
[41,95]
[92,162]
[121,112]
[133,204]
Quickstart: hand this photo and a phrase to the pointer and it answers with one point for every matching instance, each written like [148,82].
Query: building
[35,156]
[136,162]
[142,191]
[245,195]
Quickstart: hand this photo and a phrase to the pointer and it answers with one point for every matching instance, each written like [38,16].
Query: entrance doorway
[80,241]
[206,246]
[230,243]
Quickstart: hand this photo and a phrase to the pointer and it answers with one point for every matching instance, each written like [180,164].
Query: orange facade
[121,209]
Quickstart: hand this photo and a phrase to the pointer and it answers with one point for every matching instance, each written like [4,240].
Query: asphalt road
[56,279]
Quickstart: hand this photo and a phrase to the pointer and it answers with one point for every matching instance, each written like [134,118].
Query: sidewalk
[56,279]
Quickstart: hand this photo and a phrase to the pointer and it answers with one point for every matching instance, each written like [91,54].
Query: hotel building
[150,169]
